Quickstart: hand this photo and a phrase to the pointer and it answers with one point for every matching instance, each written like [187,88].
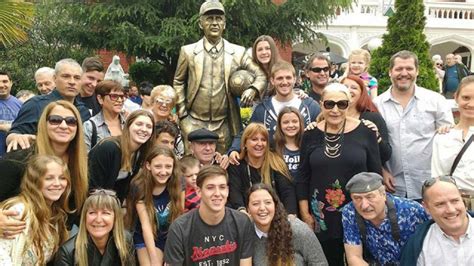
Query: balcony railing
[461,11]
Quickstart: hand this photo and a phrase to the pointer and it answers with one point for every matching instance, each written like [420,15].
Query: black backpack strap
[363,237]
[460,154]
[94,134]
[392,217]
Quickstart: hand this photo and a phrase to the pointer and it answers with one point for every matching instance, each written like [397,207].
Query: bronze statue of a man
[201,80]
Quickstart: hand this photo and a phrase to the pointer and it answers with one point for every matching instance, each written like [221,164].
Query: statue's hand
[247,97]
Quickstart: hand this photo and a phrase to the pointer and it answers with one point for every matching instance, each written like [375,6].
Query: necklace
[333,144]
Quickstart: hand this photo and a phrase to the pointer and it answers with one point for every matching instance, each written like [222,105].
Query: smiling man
[413,114]
[317,70]
[92,74]
[9,107]
[376,224]
[447,239]
[212,234]
[67,76]
[201,80]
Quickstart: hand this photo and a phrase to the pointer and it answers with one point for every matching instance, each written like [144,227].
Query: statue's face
[213,26]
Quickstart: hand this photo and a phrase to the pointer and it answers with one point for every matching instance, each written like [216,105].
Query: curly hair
[279,246]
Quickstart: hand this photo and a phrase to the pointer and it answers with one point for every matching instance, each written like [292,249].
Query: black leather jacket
[65,254]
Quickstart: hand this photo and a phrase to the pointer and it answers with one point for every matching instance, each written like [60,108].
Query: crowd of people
[95,173]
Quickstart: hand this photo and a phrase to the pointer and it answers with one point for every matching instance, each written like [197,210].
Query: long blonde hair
[103,199]
[44,221]
[271,160]
[77,151]
[141,189]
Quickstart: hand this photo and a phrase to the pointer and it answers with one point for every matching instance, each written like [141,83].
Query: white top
[15,251]
[277,105]
[441,249]
[445,149]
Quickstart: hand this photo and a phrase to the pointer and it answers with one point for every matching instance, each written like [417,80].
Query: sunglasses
[160,101]
[342,105]
[431,181]
[57,120]
[114,96]
[319,69]
[106,192]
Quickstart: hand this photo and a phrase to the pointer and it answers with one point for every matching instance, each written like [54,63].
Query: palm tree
[15,18]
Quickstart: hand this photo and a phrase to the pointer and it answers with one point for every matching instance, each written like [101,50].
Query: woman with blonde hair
[102,238]
[259,165]
[60,134]
[114,161]
[42,205]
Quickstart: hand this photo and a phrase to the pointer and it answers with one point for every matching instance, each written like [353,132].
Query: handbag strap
[459,156]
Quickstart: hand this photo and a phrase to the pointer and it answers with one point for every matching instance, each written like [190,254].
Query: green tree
[15,18]
[405,32]
[44,47]
[157,29]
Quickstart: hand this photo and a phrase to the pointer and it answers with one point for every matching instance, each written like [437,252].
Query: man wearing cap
[376,224]
[203,147]
[201,80]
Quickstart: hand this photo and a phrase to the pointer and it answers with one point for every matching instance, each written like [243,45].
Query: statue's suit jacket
[189,72]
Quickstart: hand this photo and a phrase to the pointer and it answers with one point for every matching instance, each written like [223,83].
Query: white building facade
[449,28]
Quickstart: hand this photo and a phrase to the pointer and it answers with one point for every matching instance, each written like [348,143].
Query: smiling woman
[115,160]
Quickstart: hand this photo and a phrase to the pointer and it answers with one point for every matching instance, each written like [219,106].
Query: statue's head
[116,59]
[212,20]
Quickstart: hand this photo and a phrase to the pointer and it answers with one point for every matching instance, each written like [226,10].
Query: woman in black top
[115,160]
[259,165]
[362,107]
[337,149]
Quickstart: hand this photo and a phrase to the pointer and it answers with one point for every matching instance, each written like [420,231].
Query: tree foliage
[405,32]
[157,29]
[15,19]
[44,47]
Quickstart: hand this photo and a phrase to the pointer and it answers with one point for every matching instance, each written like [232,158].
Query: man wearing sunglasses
[318,72]
[413,114]
[377,224]
[67,76]
[201,80]
[447,239]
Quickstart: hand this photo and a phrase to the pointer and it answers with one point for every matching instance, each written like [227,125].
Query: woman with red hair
[361,107]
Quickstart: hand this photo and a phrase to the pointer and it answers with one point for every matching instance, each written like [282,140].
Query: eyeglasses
[439,64]
[342,105]
[319,69]
[56,120]
[114,96]
[431,181]
[107,192]
[160,101]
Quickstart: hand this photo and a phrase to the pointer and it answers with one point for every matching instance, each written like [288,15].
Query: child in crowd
[359,62]
[190,169]
[42,204]
[288,135]
[157,199]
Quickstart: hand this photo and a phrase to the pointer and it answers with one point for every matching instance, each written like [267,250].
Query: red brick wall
[107,56]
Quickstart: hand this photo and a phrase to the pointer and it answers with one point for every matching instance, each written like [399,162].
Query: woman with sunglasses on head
[447,147]
[163,99]
[59,134]
[114,161]
[101,239]
[109,121]
[338,148]
[280,241]
[259,165]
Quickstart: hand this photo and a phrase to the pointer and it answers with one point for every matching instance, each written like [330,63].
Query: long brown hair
[77,151]
[44,221]
[103,199]
[141,189]
[271,161]
[279,136]
[124,140]
[279,246]
[364,104]
[274,57]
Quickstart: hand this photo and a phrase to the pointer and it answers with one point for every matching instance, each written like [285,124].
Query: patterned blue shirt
[380,242]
